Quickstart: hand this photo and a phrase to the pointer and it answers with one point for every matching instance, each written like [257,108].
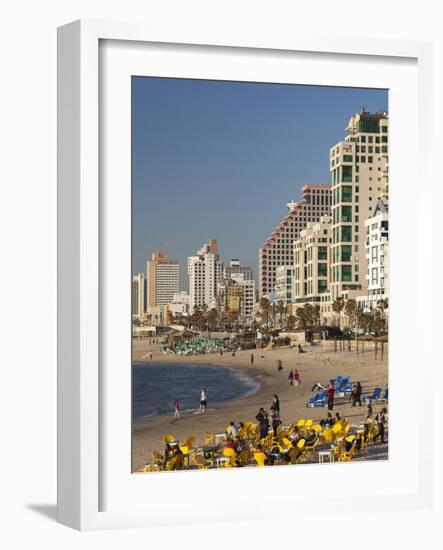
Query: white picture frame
[82,397]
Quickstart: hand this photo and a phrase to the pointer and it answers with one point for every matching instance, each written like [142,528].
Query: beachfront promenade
[319,363]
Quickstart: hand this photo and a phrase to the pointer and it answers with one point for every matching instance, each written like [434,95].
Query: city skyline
[261,142]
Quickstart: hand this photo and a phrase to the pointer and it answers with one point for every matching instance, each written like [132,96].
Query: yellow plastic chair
[286,443]
[202,463]
[260,458]
[301,425]
[209,438]
[168,439]
[308,425]
[328,435]
[317,428]
[184,449]
[189,442]
[231,454]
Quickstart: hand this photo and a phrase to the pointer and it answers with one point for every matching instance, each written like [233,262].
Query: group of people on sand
[265,419]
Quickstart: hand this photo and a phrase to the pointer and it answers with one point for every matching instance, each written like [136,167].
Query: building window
[322,270]
[346,253]
[322,286]
[346,175]
[346,234]
[346,213]
[346,194]
[346,273]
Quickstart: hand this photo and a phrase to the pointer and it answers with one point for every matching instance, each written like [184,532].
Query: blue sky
[220,160]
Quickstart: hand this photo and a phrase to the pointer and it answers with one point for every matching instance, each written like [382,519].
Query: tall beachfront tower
[162,279]
[359,170]
[312,267]
[205,270]
[278,249]
[138,295]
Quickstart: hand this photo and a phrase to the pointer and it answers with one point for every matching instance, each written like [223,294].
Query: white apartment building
[162,279]
[312,267]
[179,304]
[205,271]
[278,250]
[359,171]
[283,285]
[377,257]
[138,295]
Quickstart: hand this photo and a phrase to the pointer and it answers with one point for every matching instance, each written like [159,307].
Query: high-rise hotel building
[162,279]
[278,248]
[312,267]
[359,170]
[138,295]
[205,271]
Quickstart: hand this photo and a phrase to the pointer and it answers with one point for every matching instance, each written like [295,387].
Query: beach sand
[319,363]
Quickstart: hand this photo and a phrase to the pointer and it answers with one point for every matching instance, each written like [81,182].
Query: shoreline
[318,363]
[256,377]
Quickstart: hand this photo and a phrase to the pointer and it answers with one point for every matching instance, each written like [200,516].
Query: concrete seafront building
[138,295]
[377,257]
[277,250]
[236,291]
[312,267]
[235,269]
[179,304]
[162,279]
[359,172]
[283,285]
[205,270]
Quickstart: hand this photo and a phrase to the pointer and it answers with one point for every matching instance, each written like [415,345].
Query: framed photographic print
[232,274]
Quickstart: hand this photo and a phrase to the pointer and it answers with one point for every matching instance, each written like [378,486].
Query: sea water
[155,386]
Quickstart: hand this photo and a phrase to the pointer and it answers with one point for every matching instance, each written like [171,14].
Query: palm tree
[290,323]
[338,306]
[280,310]
[265,308]
[382,306]
[212,318]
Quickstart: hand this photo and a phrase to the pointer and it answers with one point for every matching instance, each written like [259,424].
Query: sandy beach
[319,363]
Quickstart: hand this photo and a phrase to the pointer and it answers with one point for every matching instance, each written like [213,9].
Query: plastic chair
[189,442]
[168,438]
[231,454]
[261,458]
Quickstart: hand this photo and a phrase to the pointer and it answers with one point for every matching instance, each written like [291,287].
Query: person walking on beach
[203,400]
[297,379]
[291,377]
[176,408]
[380,419]
[150,355]
[279,365]
[252,359]
[330,392]
[356,394]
